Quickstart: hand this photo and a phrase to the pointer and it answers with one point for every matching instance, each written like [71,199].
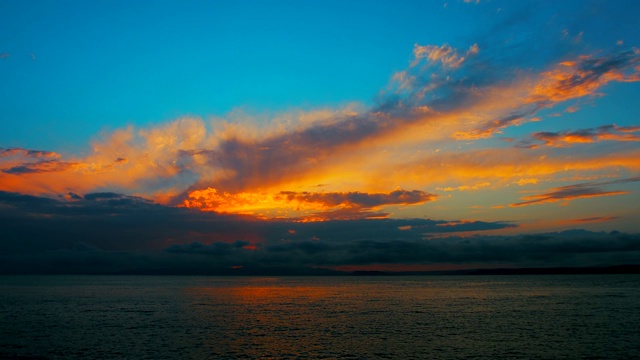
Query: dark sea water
[429,317]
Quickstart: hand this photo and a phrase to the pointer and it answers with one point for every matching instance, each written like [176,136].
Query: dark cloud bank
[108,233]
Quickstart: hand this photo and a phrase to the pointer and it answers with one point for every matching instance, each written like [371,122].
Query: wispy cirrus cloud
[594,219]
[576,191]
[568,138]
[568,80]
[492,168]
[445,54]
[584,76]
[45,166]
[28,153]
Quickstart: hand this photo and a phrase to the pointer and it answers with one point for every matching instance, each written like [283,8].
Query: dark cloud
[111,196]
[568,138]
[595,219]
[216,248]
[41,167]
[267,161]
[109,232]
[42,235]
[552,249]
[73,196]
[492,127]
[28,153]
[360,199]
[571,192]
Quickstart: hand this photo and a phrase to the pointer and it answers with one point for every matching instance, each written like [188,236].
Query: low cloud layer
[113,233]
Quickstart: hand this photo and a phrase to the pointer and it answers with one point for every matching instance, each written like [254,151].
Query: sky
[307,136]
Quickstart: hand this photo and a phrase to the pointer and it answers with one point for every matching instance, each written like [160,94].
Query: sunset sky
[212,136]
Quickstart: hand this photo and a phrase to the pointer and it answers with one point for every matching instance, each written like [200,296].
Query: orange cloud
[306,205]
[594,219]
[502,167]
[570,80]
[583,77]
[568,138]
[270,168]
[466,187]
[571,192]
[28,153]
[561,194]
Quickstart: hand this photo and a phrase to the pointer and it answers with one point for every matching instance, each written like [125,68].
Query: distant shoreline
[617,269]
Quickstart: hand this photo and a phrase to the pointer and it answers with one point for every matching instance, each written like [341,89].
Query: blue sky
[103,65]
[111,64]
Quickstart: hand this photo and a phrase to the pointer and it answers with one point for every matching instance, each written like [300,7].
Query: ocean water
[404,317]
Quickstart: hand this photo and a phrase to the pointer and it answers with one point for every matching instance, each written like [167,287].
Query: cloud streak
[594,219]
[576,191]
[41,167]
[568,138]
[28,153]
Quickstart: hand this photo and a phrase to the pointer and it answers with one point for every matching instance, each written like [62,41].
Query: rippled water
[491,317]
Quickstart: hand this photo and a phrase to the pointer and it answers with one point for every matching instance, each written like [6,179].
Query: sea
[336,317]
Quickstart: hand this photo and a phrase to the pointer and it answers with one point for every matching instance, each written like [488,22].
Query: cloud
[594,219]
[28,153]
[576,191]
[585,76]
[568,138]
[490,128]
[41,167]
[140,237]
[412,102]
[500,167]
[269,168]
[466,187]
[445,54]
[215,249]
[359,199]
[353,205]
[569,80]
[332,205]
[109,232]
[113,233]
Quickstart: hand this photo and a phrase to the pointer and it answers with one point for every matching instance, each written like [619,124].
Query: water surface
[440,317]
